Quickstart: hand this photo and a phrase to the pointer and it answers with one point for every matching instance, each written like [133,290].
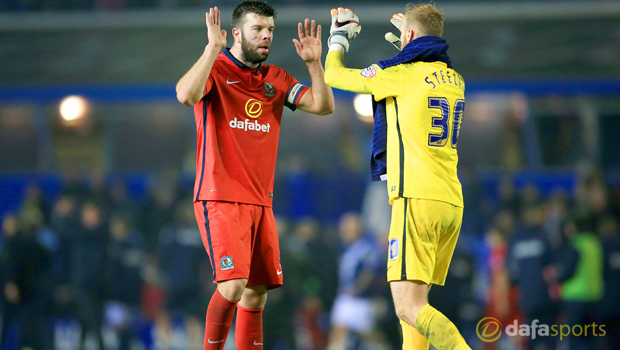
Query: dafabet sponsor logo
[490,329]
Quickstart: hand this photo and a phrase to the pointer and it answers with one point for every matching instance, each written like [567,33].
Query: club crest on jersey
[369,72]
[393,249]
[269,90]
[253,108]
[227,263]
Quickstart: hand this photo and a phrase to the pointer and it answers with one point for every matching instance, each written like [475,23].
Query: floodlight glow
[363,107]
[73,108]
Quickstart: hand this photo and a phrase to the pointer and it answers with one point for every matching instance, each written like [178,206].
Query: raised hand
[216,35]
[396,20]
[309,44]
[345,27]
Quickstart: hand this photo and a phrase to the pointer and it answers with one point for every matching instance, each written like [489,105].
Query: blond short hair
[426,18]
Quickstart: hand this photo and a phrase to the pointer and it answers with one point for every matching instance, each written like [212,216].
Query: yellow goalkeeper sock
[439,331]
[412,339]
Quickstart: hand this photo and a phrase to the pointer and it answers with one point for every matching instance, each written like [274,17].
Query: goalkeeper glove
[345,27]
[396,20]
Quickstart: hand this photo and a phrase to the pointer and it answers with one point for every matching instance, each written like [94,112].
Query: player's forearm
[322,94]
[191,86]
[340,77]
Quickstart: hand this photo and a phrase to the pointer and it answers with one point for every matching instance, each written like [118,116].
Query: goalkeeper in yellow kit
[423,103]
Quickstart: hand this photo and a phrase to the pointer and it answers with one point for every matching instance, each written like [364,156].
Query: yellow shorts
[423,234]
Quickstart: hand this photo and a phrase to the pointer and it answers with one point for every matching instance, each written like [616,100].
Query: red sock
[219,318]
[249,329]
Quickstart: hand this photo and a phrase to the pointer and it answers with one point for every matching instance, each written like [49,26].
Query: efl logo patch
[369,72]
[394,249]
[393,188]
[227,263]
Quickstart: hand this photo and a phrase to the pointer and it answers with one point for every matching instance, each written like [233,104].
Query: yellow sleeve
[340,77]
[372,80]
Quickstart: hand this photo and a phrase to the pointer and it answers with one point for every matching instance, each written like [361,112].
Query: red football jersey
[238,128]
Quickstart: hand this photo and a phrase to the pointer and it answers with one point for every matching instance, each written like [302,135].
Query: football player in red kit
[238,103]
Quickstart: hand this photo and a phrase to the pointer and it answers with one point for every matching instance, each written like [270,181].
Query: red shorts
[241,240]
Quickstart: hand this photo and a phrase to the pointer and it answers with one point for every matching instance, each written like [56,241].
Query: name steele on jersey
[445,77]
[253,108]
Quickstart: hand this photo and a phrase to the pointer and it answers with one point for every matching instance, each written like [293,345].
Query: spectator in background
[529,254]
[463,310]
[24,264]
[475,204]
[353,309]
[157,213]
[579,269]
[87,269]
[278,320]
[33,223]
[65,224]
[502,295]
[502,198]
[121,201]
[591,199]
[376,216]
[555,216]
[317,258]
[317,275]
[185,270]
[74,186]
[123,278]
[98,191]
[310,333]
[508,199]
[529,195]
[34,200]
[609,232]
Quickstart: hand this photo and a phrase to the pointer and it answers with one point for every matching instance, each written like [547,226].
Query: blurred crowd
[97,268]
[555,259]
[95,258]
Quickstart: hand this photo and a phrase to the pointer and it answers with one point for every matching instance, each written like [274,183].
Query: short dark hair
[252,6]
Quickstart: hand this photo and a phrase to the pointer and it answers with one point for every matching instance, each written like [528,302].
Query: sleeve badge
[269,90]
[369,72]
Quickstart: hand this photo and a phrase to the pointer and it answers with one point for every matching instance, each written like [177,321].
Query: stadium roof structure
[489,40]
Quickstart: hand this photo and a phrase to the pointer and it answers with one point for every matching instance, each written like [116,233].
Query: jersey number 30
[443,122]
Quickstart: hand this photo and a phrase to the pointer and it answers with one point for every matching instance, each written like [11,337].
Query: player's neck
[235,50]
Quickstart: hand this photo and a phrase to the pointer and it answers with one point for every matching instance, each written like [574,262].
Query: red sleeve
[295,91]
[209,83]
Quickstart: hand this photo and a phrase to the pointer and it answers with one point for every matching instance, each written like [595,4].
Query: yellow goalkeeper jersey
[424,105]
